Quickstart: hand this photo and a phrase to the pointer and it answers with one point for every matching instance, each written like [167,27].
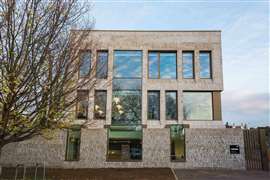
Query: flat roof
[115,30]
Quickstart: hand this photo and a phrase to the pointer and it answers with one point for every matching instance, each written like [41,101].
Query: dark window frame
[67,143]
[210,64]
[97,60]
[158,53]
[168,91]
[97,90]
[80,61]
[155,91]
[193,63]
[178,160]
[77,103]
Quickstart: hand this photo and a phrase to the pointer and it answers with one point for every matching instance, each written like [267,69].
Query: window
[125,143]
[188,65]
[82,104]
[102,65]
[197,105]
[153,105]
[171,105]
[85,63]
[162,65]
[100,104]
[205,65]
[73,145]
[177,143]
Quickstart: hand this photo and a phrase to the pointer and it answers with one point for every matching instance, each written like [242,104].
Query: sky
[245,43]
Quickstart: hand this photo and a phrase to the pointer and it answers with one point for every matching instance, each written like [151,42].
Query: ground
[136,174]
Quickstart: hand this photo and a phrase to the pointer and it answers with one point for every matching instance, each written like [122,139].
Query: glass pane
[171,105]
[168,65]
[82,104]
[100,104]
[85,63]
[127,64]
[127,84]
[126,107]
[102,65]
[125,143]
[153,65]
[153,105]
[188,65]
[205,69]
[177,142]
[197,105]
[73,145]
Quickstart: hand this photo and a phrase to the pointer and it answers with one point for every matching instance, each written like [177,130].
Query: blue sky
[245,43]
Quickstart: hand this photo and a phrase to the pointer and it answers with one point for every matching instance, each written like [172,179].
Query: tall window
[188,65]
[102,65]
[197,105]
[205,65]
[73,145]
[126,104]
[171,105]
[162,65]
[82,104]
[100,104]
[177,143]
[85,63]
[153,105]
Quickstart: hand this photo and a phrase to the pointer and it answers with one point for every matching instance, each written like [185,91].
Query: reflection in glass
[73,144]
[127,64]
[153,105]
[197,105]
[188,67]
[168,65]
[85,63]
[126,107]
[177,142]
[100,104]
[205,65]
[127,84]
[102,65]
[171,105]
[125,143]
[153,65]
[82,104]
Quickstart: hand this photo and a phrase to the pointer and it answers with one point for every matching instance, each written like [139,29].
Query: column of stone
[144,87]
[162,108]
[197,64]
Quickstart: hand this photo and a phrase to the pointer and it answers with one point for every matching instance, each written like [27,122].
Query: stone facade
[205,148]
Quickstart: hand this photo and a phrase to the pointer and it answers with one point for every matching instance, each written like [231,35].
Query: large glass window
[188,65]
[162,65]
[197,105]
[126,107]
[153,105]
[205,65]
[100,104]
[102,64]
[127,64]
[85,63]
[171,105]
[125,143]
[82,104]
[177,142]
[73,144]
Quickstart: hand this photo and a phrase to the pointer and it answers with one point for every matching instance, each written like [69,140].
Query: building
[157,103]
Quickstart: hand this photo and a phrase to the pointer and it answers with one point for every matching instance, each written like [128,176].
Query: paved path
[202,174]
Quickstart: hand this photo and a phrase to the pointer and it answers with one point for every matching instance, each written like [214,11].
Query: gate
[256,147]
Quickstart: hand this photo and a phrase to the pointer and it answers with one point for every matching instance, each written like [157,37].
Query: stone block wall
[205,148]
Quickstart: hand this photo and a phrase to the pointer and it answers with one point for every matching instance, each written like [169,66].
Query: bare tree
[39,66]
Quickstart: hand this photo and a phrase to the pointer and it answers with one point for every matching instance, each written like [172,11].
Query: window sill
[123,160]
[176,161]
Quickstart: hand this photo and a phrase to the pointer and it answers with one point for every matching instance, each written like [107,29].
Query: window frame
[210,63]
[178,160]
[80,61]
[67,142]
[158,56]
[212,103]
[100,90]
[97,61]
[77,103]
[193,63]
[168,91]
[155,91]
